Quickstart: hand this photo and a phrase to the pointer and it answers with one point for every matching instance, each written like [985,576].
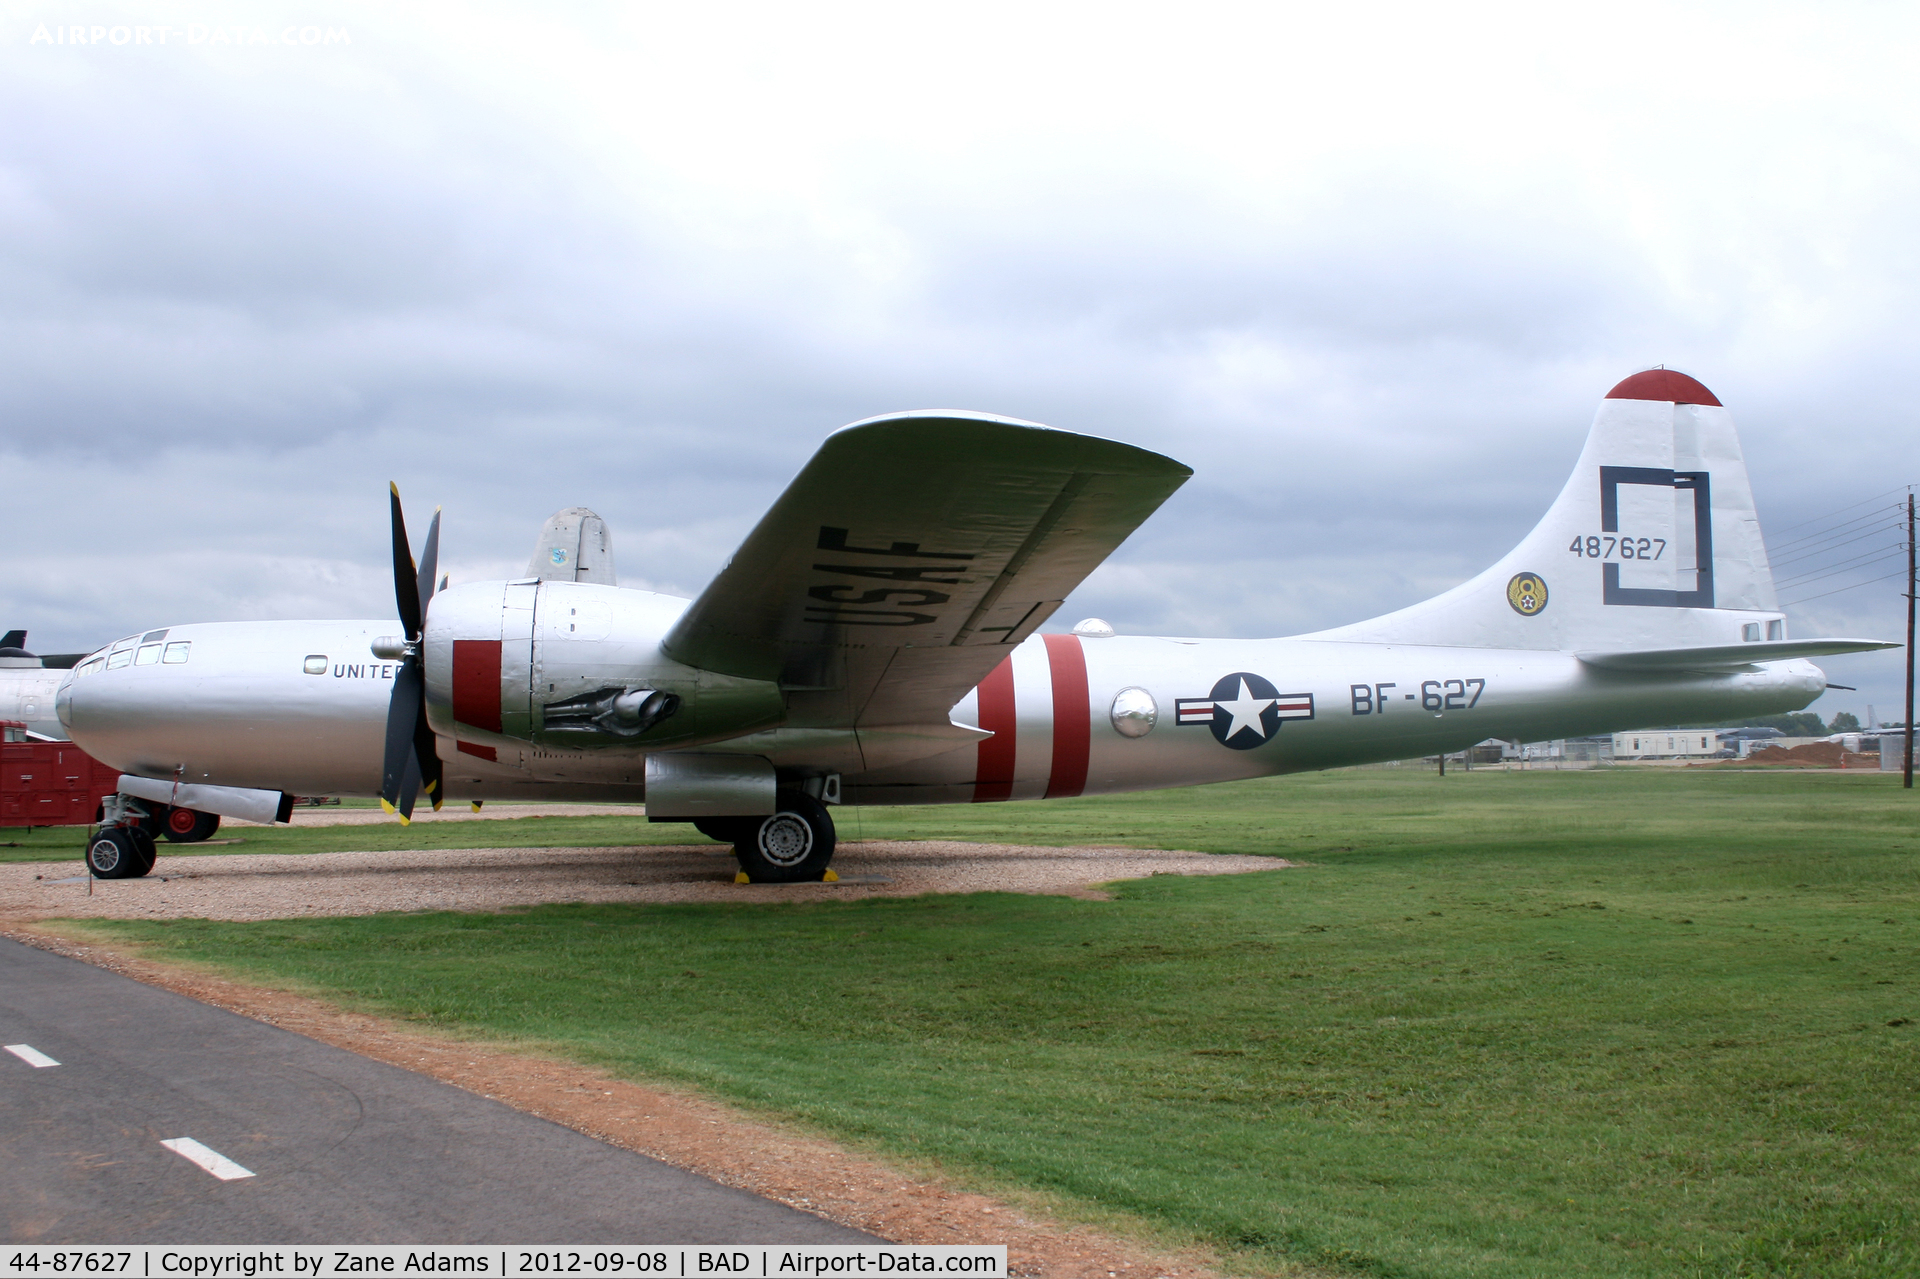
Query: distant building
[1667,743]
[1561,750]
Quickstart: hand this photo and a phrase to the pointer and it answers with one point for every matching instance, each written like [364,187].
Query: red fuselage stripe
[476,683]
[993,775]
[1072,719]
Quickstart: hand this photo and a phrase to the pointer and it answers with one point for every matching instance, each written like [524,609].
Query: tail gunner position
[874,641]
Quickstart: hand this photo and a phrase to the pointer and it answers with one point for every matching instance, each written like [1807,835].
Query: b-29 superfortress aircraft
[875,641]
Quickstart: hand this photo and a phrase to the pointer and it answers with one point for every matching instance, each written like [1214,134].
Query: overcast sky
[1367,269]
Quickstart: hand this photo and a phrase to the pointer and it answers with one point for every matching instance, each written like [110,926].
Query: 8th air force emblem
[1244,710]
[1527,592]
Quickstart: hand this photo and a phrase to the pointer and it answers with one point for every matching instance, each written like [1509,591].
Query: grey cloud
[235,305]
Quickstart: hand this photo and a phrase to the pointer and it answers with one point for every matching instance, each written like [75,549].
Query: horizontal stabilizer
[1728,656]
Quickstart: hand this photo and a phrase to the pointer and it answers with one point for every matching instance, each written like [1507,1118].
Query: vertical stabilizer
[1653,543]
[574,546]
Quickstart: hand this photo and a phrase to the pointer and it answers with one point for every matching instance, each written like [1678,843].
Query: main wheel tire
[119,852]
[189,826]
[793,846]
[728,830]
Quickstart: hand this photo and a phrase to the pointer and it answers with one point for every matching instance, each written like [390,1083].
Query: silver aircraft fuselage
[301,707]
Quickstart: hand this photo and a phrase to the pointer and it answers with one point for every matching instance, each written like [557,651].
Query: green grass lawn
[1619,1022]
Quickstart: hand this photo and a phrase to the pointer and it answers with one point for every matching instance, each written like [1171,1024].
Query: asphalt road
[342,1149]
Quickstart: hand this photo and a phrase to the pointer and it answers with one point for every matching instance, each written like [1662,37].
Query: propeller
[412,761]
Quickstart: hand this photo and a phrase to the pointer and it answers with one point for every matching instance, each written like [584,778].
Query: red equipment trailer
[49,783]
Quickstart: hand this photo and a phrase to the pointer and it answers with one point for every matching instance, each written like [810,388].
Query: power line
[1833,570]
[1850,506]
[1868,514]
[1827,541]
[1842,590]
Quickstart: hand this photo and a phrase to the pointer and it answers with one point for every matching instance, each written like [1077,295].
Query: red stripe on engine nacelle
[484,752]
[476,683]
[1072,719]
[993,774]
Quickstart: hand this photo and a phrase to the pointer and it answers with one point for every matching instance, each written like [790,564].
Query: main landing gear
[792,845]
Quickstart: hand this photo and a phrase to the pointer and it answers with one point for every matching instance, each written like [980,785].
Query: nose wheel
[791,846]
[120,852]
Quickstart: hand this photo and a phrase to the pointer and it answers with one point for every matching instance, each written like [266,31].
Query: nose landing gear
[120,852]
[123,847]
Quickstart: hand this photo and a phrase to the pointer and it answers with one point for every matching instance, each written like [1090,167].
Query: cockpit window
[152,637]
[119,659]
[177,651]
[128,642]
[147,655]
[90,666]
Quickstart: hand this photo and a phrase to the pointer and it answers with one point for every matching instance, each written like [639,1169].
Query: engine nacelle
[571,666]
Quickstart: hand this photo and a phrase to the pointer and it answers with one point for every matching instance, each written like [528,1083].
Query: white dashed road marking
[212,1160]
[31,1055]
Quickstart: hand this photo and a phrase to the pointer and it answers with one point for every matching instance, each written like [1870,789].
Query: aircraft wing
[1728,656]
[910,555]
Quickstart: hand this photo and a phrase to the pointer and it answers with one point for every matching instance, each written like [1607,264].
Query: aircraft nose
[63,704]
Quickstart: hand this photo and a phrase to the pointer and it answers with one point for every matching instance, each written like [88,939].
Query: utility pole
[1906,774]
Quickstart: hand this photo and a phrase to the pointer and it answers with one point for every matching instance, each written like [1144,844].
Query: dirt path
[279,885]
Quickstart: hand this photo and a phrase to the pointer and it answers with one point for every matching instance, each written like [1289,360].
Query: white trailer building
[1666,743]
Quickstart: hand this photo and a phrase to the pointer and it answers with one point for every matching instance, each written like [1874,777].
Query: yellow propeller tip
[405,820]
[476,805]
[386,807]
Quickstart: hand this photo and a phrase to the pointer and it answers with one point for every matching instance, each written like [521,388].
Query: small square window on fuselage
[316,664]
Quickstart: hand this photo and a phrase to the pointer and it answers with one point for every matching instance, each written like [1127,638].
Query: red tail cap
[1663,384]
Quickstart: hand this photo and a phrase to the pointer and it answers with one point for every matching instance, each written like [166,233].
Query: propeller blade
[399,770]
[429,559]
[406,587]
[409,788]
[426,753]
[412,758]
